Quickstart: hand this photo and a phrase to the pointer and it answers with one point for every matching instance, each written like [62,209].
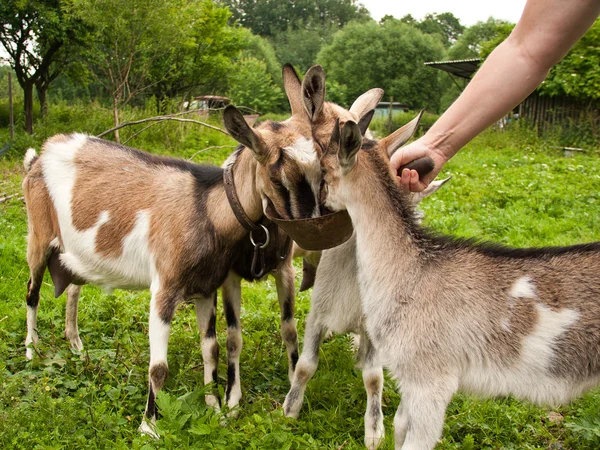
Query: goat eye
[324,187]
[323,191]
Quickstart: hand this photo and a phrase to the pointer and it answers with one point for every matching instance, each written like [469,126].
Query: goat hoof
[148,428]
[372,442]
[76,344]
[213,401]
[29,354]
[289,412]
[233,413]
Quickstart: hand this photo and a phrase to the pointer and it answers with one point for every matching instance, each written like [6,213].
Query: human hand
[409,179]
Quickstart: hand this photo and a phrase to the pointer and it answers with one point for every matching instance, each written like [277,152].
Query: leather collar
[234,201]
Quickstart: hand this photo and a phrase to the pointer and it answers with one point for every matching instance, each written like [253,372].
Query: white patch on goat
[134,268]
[147,427]
[32,336]
[158,329]
[54,243]
[30,155]
[303,151]
[538,346]
[523,288]
[530,377]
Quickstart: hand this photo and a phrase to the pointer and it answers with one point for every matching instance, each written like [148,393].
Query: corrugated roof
[464,68]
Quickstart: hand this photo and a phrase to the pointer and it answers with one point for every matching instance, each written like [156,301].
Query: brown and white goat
[306,100]
[448,314]
[336,307]
[105,214]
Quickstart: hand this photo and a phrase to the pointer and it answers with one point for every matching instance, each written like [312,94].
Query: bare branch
[140,131]
[160,119]
[9,197]
[210,148]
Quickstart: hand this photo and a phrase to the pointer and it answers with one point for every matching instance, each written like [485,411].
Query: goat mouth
[315,233]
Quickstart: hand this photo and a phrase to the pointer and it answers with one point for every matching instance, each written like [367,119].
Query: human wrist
[438,147]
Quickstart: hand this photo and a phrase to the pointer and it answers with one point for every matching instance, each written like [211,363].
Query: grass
[510,188]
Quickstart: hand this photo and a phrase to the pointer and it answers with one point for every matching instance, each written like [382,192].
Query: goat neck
[244,169]
[383,217]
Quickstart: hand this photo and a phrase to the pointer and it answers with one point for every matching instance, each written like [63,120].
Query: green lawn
[510,188]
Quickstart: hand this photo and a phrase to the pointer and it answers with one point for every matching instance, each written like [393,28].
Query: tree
[261,49]
[252,86]
[301,46]
[35,35]
[130,37]
[468,44]
[269,17]
[578,74]
[407,19]
[389,56]
[445,25]
[202,60]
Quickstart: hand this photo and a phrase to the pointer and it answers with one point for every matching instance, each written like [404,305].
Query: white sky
[468,11]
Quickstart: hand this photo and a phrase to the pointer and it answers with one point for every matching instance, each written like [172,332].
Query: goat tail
[31,157]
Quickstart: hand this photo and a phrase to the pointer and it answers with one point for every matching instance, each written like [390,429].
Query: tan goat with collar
[109,215]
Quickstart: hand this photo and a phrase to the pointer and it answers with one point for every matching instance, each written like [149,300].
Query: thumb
[407,154]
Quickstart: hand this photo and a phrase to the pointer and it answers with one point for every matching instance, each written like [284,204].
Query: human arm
[542,37]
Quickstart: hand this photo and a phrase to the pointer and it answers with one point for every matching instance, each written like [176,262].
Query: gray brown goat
[336,307]
[448,314]
[306,100]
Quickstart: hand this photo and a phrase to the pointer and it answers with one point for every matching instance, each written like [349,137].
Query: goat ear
[293,89]
[350,143]
[313,91]
[416,197]
[236,126]
[365,121]
[334,140]
[401,136]
[366,102]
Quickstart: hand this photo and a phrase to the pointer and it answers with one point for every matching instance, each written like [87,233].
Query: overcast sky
[468,11]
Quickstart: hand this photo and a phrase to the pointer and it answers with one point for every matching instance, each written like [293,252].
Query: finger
[405,180]
[415,184]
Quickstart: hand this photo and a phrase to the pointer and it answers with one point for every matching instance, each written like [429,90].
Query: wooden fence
[545,113]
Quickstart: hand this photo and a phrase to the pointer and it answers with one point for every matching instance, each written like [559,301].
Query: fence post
[391,123]
[10,107]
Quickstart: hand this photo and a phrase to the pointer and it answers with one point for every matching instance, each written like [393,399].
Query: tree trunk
[28,106]
[41,93]
[116,118]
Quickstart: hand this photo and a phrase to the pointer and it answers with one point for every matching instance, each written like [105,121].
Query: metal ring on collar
[267,240]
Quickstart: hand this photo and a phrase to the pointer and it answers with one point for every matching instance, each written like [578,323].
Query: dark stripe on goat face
[298,196]
[275,168]
[305,199]
[285,198]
